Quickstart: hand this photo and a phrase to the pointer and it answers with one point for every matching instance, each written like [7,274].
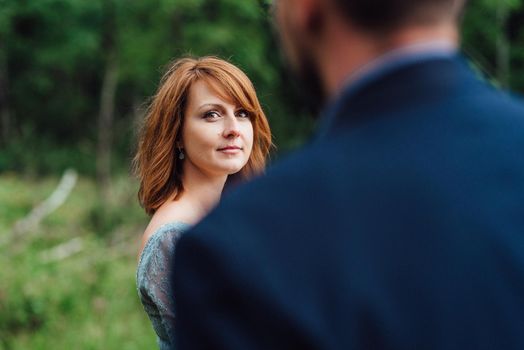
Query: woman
[204,128]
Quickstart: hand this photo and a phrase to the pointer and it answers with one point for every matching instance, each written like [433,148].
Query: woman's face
[217,136]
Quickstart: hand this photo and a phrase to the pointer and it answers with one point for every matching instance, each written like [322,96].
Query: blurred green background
[75,77]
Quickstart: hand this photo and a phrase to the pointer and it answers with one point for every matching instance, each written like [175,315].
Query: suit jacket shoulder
[401,227]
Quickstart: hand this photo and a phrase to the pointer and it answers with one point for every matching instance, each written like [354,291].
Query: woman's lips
[230,149]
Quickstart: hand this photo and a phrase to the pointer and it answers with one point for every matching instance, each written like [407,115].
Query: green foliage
[34,155]
[51,47]
[56,52]
[490,27]
[85,301]
[104,218]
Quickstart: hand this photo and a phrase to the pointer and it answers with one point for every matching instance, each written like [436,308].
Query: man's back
[401,228]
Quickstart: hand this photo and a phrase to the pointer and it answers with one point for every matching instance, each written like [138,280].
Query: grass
[87,300]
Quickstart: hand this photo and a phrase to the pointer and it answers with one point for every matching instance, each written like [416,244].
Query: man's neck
[348,60]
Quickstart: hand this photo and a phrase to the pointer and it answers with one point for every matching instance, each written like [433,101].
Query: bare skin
[217,141]
[315,28]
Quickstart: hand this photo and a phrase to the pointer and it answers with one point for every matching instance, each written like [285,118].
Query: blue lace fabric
[154,285]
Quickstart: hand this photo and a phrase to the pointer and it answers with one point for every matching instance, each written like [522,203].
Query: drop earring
[181,154]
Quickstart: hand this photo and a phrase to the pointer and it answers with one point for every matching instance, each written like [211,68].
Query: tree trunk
[105,127]
[5,114]
[503,46]
[107,101]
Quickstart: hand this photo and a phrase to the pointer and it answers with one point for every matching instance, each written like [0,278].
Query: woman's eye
[243,113]
[211,115]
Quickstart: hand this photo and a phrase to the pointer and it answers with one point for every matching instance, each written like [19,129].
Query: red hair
[156,164]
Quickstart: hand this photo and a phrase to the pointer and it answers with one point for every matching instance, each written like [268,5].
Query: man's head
[318,35]
[385,15]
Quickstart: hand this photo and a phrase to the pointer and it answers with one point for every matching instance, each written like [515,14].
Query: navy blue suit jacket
[402,227]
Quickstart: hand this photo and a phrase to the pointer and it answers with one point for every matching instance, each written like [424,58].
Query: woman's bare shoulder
[169,212]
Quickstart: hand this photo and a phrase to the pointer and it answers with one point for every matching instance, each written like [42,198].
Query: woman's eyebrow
[212,105]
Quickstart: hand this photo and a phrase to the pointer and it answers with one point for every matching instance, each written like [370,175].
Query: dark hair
[383,15]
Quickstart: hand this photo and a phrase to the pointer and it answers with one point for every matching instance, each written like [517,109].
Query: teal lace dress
[154,283]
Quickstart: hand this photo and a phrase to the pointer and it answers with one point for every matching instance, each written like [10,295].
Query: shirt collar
[398,57]
[382,65]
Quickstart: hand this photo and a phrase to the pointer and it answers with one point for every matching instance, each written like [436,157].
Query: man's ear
[310,15]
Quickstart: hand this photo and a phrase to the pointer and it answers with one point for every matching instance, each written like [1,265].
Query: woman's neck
[201,194]
[201,191]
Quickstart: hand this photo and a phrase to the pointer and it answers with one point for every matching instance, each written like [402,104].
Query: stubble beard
[306,73]
[310,84]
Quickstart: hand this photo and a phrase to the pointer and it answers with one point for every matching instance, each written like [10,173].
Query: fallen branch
[62,251]
[53,202]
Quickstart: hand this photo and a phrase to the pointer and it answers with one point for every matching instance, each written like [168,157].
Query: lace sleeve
[154,283]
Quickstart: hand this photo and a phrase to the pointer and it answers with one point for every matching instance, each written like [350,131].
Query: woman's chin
[232,166]
[222,171]
[234,170]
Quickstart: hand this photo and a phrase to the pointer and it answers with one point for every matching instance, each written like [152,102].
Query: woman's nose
[231,127]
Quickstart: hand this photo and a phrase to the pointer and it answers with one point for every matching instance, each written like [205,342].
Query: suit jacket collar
[420,81]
